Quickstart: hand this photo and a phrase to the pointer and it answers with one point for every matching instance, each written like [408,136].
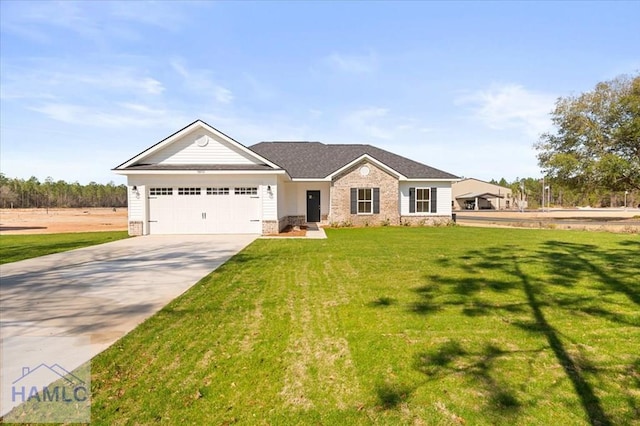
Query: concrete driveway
[100,293]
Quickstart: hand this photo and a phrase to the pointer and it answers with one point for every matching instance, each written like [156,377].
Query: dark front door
[313,206]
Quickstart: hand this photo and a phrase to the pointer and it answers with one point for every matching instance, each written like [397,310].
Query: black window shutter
[434,200]
[412,200]
[376,200]
[354,200]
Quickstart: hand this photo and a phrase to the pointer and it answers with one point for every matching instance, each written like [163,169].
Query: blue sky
[466,87]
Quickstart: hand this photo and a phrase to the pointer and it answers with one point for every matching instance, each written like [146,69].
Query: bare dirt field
[613,220]
[53,221]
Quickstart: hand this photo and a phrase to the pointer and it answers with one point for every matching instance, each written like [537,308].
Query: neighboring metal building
[475,194]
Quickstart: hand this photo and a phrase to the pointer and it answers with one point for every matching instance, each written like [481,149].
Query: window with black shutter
[365,200]
[434,200]
[423,200]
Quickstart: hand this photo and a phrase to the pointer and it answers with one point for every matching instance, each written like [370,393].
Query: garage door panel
[205,213]
[161,215]
[233,214]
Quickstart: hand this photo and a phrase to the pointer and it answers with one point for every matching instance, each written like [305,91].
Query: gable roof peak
[176,136]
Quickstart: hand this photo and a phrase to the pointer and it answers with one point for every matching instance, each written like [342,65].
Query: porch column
[476,205]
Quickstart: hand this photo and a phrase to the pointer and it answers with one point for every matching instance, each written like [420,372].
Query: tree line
[559,194]
[31,193]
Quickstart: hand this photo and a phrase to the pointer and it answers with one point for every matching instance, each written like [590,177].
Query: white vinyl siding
[443,200]
[136,203]
[269,198]
[188,151]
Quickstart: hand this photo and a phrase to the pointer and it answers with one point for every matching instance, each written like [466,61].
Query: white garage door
[204,210]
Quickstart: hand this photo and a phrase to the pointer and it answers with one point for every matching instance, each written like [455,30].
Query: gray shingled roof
[315,160]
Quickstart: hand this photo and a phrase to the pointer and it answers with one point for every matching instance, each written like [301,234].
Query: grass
[434,326]
[20,247]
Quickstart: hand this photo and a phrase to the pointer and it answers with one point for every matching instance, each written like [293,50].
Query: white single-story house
[201,181]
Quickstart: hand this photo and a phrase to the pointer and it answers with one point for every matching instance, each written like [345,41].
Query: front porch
[303,204]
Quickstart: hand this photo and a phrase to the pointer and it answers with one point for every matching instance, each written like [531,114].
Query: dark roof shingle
[315,160]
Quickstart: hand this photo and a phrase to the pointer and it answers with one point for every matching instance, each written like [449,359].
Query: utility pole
[625,199]
[542,194]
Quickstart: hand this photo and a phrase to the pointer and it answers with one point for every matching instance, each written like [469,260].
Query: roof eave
[430,179]
[126,172]
[324,179]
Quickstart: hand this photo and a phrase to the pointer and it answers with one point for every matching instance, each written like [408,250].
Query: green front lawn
[20,247]
[435,326]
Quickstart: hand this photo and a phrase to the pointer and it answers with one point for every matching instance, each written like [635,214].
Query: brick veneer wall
[135,228]
[296,220]
[425,220]
[270,227]
[352,178]
[299,220]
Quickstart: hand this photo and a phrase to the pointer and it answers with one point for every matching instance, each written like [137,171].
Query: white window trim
[358,201]
[428,200]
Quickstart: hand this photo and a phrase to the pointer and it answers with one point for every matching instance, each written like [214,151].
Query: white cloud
[143,109]
[367,121]
[379,123]
[315,114]
[224,96]
[122,115]
[151,86]
[201,82]
[511,106]
[258,88]
[35,20]
[95,21]
[46,79]
[118,78]
[163,14]
[355,64]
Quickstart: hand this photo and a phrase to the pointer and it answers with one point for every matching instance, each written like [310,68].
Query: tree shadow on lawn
[390,395]
[554,265]
[570,261]
[452,358]
[383,301]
